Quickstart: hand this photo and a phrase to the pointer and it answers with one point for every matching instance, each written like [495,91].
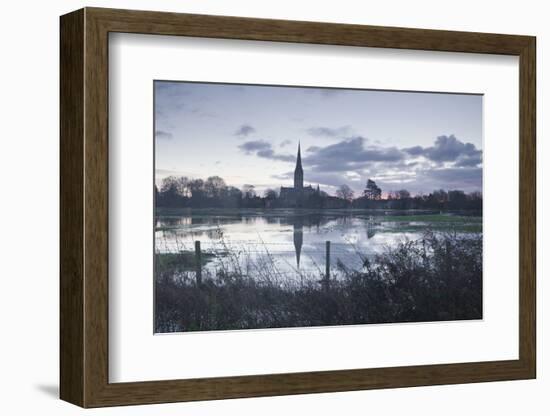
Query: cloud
[449,149]
[263,149]
[469,160]
[423,180]
[313,148]
[283,176]
[329,132]
[170,97]
[415,150]
[350,154]
[245,130]
[427,179]
[161,134]
[456,176]
[448,164]
[285,143]
[270,154]
[327,179]
[467,179]
[254,145]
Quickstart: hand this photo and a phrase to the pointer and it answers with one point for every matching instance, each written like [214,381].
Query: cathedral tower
[299,172]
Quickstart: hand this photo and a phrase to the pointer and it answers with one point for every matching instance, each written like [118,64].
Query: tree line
[440,199]
[213,192]
[180,191]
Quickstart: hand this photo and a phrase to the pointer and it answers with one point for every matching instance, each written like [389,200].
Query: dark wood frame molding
[84,209]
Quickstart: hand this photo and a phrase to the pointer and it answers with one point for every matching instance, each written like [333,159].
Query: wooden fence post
[198,262]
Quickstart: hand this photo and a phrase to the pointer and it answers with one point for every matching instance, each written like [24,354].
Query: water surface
[295,241]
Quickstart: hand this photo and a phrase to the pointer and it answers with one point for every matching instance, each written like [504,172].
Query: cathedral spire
[298,171]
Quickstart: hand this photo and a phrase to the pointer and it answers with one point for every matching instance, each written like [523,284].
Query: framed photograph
[255,207]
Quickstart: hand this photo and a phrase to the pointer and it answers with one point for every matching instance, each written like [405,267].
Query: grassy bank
[435,278]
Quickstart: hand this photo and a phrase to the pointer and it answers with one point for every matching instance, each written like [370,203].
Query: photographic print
[292,206]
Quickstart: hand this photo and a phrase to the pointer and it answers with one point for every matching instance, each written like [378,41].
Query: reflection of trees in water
[269,219]
[172,221]
[307,219]
[249,219]
[186,220]
[344,220]
[298,221]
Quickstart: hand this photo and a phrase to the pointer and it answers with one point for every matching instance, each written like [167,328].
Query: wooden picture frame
[84,207]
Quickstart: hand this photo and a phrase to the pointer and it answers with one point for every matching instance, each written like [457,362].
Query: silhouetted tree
[270,194]
[181,191]
[372,191]
[214,187]
[234,193]
[248,191]
[345,192]
[172,191]
[440,196]
[403,194]
[457,199]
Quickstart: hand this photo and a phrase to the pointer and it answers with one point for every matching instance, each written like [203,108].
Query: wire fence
[288,259]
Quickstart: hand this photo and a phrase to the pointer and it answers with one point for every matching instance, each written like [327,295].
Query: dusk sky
[249,134]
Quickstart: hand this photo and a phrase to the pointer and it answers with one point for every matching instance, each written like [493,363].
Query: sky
[249,134]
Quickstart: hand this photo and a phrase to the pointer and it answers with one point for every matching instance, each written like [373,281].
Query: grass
[432,218]
[439,222]
[419,226]
[181,261]
[435,278]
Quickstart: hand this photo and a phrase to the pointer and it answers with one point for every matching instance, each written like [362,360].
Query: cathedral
[299,193]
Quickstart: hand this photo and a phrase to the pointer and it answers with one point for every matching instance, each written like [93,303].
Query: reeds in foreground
[435,278]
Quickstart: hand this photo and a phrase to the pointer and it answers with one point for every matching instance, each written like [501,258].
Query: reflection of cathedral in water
[298,235]
[319,225]
[310,220]
[298,222]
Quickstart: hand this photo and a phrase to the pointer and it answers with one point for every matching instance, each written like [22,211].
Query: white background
[298,349]
[29,210]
